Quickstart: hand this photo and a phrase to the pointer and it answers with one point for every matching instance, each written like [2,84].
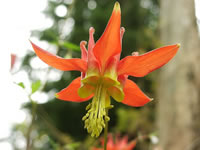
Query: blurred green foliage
[21,84]
[35,86]
[59,122]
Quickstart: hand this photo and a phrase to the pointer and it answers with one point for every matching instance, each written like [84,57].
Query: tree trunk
[179,85]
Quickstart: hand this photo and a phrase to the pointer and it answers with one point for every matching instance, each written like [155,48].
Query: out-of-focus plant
[34,138]
[118,143]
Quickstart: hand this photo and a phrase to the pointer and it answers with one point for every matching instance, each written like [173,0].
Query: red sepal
[58,62]
[133,95]
[139,66]
[70,93]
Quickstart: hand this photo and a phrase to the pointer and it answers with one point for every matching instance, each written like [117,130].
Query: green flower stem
[106,132]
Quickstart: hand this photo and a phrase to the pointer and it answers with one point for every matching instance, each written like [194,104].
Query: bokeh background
[33,119]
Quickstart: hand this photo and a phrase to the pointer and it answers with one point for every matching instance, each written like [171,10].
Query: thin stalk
[28,136]
[106,132]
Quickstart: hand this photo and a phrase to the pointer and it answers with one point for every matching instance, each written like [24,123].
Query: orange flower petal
[133,95]
[70,93]
[58,62]
[93,64]
[140,66]
[109,43]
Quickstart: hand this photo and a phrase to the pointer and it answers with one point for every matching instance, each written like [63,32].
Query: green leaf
[35,86]
[71,46]
[21,84]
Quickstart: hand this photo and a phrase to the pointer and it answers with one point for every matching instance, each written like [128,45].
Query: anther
[88,106]
[110,107]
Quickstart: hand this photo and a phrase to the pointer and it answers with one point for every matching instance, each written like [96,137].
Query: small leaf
[21,84]
[35,86]
[71,46]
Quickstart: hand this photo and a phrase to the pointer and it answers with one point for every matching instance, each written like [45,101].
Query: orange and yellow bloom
[103,74]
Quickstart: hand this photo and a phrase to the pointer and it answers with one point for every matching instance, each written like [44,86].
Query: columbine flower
[118,144]
[103,74]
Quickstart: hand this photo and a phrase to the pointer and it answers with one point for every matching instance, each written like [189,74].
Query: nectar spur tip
[179,45]
[56,95]
[117,6]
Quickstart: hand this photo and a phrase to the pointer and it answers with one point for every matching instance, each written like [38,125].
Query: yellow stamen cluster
[96,116]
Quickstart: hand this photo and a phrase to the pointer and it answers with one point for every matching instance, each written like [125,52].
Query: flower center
[96,116]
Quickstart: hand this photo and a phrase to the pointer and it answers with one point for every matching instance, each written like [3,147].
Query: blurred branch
[28,136]
[63,138]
